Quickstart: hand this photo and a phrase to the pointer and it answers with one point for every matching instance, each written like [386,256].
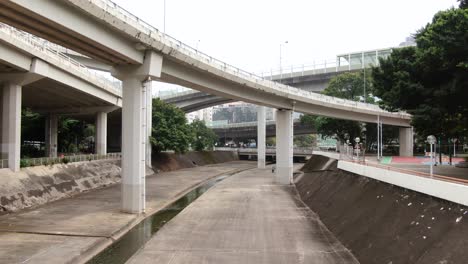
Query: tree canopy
[204,137]
[170,128]
[430,81]
[350,86]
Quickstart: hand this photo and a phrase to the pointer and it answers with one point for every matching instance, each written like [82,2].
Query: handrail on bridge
[52,50]
[114,9]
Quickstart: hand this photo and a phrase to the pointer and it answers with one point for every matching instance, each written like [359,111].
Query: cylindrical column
[51,134]
[406,141]
[261,133]
[149,119]
[284,146]
[11,126]
[133,146]
[101,133]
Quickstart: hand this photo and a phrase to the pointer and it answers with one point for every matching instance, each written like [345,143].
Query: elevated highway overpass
[249,130]
[139,53]
[48,82]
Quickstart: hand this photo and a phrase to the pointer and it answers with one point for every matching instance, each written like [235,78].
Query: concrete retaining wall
[381,222]
[38,185]
[34,186]
[449,191]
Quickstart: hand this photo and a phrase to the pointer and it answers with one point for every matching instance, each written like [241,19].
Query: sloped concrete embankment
[383,223]
[38,185]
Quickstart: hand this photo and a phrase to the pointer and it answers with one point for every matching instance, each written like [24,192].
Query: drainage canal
[131,242]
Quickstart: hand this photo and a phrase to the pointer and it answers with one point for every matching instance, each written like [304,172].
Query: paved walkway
[245,219]
[443,170]
[70,230]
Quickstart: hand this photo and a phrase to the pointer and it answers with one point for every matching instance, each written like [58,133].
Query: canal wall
[38,185]
[384,223]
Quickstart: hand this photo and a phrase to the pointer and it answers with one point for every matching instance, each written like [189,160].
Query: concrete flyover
[192,100]
[35,77]
[248,130]
[138,53]
[297,152]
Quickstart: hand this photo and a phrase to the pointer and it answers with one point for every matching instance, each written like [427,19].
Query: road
[76,228]
[245,219]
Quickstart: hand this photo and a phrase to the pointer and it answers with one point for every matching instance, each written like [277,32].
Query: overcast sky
[248,33]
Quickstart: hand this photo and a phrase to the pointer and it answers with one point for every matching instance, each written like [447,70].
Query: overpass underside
[140,53]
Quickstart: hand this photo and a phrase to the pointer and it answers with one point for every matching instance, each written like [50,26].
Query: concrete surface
[73,229]
[245,219]
[451,191]
[33,186]
[444,170]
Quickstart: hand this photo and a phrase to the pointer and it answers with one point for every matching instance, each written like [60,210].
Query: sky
[248,33]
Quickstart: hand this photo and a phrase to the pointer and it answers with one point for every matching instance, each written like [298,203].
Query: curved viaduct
[138,53]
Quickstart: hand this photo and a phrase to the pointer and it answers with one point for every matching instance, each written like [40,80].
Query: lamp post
[431,140]
[454,140]
[281,58]
[164,25]
[357,139]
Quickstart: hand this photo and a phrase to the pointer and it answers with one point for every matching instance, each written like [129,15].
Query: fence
[67,159]
[3,163]
[352,154]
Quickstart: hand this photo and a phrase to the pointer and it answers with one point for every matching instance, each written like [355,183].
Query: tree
[170,128]
[350,86]
[429,81]
[463,3]
[304,141]
[204,137]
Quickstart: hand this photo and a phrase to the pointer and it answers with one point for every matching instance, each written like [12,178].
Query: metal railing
[3,163]
[68,159]
[296,150]
[186,50]
[325,66]
[53,51]
[352,154]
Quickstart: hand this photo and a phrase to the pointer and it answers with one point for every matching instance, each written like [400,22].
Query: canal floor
[245,219]
[74,229]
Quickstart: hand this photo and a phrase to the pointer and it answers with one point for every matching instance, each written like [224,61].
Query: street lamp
[454,140]
[164,25]
[357,139]
[281,58]
[431,140]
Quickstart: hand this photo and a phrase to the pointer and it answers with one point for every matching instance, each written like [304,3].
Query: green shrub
[65,160]
[24,163]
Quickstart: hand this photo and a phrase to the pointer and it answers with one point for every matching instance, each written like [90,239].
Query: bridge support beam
[261,136]
[101,133]
[284,146]
[51,134]
[406,141]
[134,129]
[11,124]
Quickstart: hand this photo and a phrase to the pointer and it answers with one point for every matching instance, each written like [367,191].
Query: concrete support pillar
[51,133]
[284,146]
[406,141]
[101,133]
[133,146]
[261,136]
[11,126]
[149,123]
[135,128]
